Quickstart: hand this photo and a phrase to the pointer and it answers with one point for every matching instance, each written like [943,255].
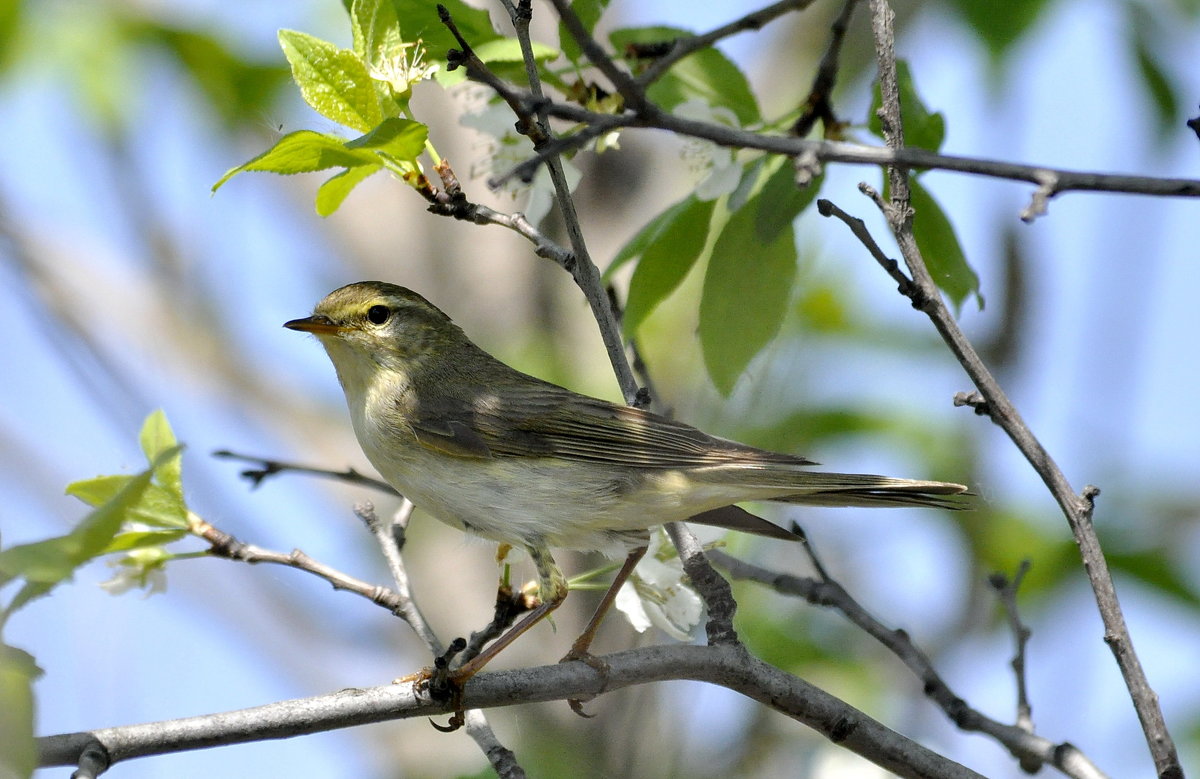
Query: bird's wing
[549,421]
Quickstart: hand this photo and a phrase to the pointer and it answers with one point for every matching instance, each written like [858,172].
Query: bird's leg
[579,650]
[552,587]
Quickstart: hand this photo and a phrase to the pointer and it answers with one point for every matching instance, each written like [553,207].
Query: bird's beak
[316,324]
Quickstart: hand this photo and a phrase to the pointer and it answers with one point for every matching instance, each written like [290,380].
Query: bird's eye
[378,314]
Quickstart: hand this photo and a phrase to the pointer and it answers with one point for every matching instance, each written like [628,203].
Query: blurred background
[125,286]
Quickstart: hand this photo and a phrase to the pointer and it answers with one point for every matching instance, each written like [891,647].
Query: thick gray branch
[727,665]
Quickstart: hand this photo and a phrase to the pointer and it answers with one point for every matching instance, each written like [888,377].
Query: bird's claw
[598,665]
[445,686]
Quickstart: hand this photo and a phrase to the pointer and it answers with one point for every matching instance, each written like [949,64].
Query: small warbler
[501,454]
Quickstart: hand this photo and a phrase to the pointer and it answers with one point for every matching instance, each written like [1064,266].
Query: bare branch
[819,103]
[1023,744]
[632,92]
[1006,592]
[226,546]
[715,591]
[583,270]
[855,153]
[727,665]
[682,47]
[268,468]
[1077,509]
[390,543]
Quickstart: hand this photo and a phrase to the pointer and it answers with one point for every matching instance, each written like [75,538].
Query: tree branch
[583,270]
[1022,743]
[1077,508]
[682,47]
[726,665]
[268,468]
[855,153]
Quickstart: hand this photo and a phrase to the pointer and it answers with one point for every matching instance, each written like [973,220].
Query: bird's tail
[860,489]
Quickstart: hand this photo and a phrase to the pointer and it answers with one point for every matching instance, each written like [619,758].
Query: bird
[518,460]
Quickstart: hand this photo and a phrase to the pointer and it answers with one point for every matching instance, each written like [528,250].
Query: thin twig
[859,228]
[819,103]
[452,202]
[1076,508]
[1006,592]
[503,761]
[390,543]
[632,92]
[268,468]
[226,546]
[823,591]
[717,595]
[682,47]
[907,157]
[583,270]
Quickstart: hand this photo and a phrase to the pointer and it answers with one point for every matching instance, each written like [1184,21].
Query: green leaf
[1000,25]
[140,539]
[780,201]
[1154,76]
[419,20]
[158,507]
[45,564]
[304,151]
[645,237]
[922,129]
[745,296]
[155,438]
[666,260]
[589,12]
[403,139]
[939,245]
[334,81]
[509,50]
[331,194]
[236,88]
[707,74]
[376,31]
[11,25]
[19,757]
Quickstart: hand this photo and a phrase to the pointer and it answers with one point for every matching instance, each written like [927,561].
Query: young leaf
[706,74]
[331,194]
[376,31]
[939,245]
[1000,25]
[745,296]
[509,50]
[304,151]
[334,81]
[17,673]
[155,438]
[589,12]
[142,539]
[420,21]
[922,129]
[780,201]
[403,139]
[44,564]
[158,507]
[666,260]
[646,236]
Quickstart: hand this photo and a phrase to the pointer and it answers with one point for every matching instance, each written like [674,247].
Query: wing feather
[550,421]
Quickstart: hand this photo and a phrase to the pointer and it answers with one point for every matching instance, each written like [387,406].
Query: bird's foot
[597,664]
[444,685]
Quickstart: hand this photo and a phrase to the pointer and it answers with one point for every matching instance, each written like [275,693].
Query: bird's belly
[525,501]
